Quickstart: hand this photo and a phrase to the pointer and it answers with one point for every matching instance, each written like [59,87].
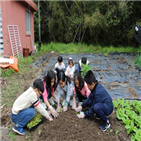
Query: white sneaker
[44,105]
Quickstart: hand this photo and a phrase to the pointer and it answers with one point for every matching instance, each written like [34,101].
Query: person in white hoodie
[70,69]
[23,108]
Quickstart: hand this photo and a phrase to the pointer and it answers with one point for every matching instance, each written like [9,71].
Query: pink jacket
[45,95]
[84,91]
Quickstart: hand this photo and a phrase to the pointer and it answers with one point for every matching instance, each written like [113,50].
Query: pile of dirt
[68,127]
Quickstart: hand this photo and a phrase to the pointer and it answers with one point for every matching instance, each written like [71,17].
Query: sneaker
[19,130]
[104,126]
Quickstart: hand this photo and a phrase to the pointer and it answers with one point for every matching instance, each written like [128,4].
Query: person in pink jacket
[80,90]
[49,88]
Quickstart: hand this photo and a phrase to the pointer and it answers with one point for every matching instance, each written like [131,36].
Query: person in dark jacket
[99,101]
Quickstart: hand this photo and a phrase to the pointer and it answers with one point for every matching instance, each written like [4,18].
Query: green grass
[70,48]
[83,48]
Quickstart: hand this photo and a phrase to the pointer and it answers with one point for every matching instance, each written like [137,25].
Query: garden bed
[115,72]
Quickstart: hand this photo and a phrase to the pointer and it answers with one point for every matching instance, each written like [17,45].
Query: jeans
[23,117]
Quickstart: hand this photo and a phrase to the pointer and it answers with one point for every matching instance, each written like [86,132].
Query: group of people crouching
[74,90]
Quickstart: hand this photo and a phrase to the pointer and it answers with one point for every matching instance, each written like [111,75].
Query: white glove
[49,118]
[65,108]
[54,113]
[78,109]
[74,106]
[81,115]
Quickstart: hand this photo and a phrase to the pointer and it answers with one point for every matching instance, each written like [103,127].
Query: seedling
[60,110]
[76,113]
[34,121]
[117,131]
[11,136]
[39,132]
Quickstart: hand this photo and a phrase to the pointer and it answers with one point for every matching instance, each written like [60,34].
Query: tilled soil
[68,127]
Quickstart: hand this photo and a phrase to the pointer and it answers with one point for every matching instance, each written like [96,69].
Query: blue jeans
[23,117]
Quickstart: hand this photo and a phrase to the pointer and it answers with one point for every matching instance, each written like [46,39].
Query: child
[84,61]
[65,90]
[49,88]
[23,107]
[70,69]
[59,66]
[80,90]
[99,101]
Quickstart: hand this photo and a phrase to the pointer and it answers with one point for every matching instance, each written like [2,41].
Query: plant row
[130,115]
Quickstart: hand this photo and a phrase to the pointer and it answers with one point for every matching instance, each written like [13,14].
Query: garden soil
[116,77]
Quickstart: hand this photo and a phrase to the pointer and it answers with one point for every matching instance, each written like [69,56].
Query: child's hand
[81,115]
[58,107]
[74,106]
[50,119]
[54,113]
[78,109]
[65,108]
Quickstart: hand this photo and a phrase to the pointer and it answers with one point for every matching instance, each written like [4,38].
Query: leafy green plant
[138,61]
[117,131]
[11,135]
[39,132]
[60,110]
[34,121]
[76,113]
[129,113]
[85,69]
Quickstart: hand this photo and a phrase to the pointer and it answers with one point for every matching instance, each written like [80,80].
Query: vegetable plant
[34,121]
[130,114]
[85,69]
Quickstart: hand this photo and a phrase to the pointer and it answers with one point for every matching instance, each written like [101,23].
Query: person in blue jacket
[99,101]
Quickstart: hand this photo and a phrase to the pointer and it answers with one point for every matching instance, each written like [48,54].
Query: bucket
[25,52]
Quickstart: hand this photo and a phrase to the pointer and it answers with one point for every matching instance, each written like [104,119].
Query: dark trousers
[99,109]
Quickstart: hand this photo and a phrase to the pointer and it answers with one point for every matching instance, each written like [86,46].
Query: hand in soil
[54,113]
[78,109]
[49,118]
[58,109]
[81,115]
[65,108]
[74,106]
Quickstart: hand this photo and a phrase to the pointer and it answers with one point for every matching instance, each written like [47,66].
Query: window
[27,22]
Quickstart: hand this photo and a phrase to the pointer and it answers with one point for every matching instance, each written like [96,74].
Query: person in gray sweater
[64,90]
